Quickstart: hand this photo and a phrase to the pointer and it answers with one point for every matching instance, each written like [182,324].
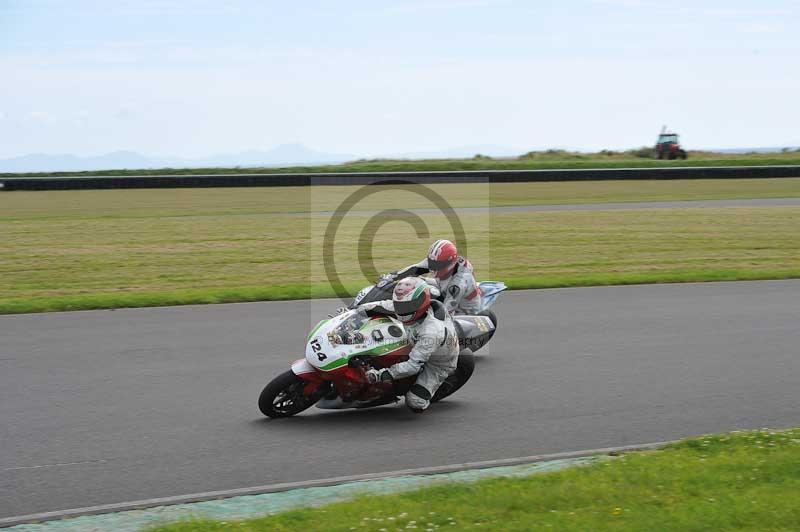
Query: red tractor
[668,147]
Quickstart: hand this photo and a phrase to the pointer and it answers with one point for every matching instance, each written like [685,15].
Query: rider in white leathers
[430,330]
[452,278]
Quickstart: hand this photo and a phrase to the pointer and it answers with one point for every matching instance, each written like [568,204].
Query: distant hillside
[43,162]
[285,154]
[295,154]
[771,149]
[534,160]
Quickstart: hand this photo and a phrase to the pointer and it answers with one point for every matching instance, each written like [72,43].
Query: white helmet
[411,298]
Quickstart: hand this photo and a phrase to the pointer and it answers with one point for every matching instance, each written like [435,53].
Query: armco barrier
[367,178]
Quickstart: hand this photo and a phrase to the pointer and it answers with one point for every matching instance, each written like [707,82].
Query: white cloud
[444,5]
[696,10]
[125,113]
[153,56]
[763,28]
[40,116]
[129,7]
[627,3]
[735,12]
[585,84]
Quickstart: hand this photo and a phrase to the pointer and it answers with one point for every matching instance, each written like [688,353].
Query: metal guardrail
[376,178]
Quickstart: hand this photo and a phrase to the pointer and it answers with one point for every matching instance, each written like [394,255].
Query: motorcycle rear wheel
[464,369]
[284,397]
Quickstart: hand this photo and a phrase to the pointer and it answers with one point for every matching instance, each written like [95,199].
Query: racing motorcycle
[340,349]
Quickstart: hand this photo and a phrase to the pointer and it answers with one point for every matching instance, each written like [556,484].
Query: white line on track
[61,464]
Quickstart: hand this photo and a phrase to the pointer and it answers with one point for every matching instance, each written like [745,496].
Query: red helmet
[411,298]
[442,258]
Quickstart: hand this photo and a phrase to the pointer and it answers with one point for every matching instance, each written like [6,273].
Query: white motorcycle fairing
[490,291]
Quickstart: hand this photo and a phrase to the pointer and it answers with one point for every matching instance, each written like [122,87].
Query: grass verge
[80,250]
[323,290]
[736,481]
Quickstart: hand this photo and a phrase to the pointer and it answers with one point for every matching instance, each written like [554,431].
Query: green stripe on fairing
[380,350]
[315,329]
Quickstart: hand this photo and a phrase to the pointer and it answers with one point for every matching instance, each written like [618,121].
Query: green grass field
[75,250]
[553,159]
[748,481]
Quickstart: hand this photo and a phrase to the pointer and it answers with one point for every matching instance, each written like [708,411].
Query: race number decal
[318,349]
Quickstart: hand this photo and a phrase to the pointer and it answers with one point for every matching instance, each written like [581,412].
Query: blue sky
[196,78]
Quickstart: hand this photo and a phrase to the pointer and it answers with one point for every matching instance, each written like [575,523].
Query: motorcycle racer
[431,331]
[453,277]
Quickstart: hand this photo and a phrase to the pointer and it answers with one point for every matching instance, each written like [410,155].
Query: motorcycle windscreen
[489,292]
[378,292]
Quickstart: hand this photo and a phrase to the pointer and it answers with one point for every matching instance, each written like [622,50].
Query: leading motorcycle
[340,349]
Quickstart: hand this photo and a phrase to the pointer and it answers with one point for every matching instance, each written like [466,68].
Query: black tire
[464,369]
[283,396]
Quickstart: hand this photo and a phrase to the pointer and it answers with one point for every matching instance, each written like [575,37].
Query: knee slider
[420,391]
[418,398]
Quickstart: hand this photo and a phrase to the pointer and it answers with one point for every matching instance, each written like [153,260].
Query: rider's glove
[378,375]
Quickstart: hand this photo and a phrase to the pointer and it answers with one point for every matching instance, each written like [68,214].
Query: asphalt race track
[111,406]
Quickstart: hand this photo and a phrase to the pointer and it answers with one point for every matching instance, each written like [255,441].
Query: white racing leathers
[434,354]
[460,291]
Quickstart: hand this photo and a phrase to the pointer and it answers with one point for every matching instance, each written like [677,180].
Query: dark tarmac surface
[111,406]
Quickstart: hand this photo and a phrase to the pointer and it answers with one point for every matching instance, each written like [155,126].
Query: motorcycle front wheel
[284,397]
